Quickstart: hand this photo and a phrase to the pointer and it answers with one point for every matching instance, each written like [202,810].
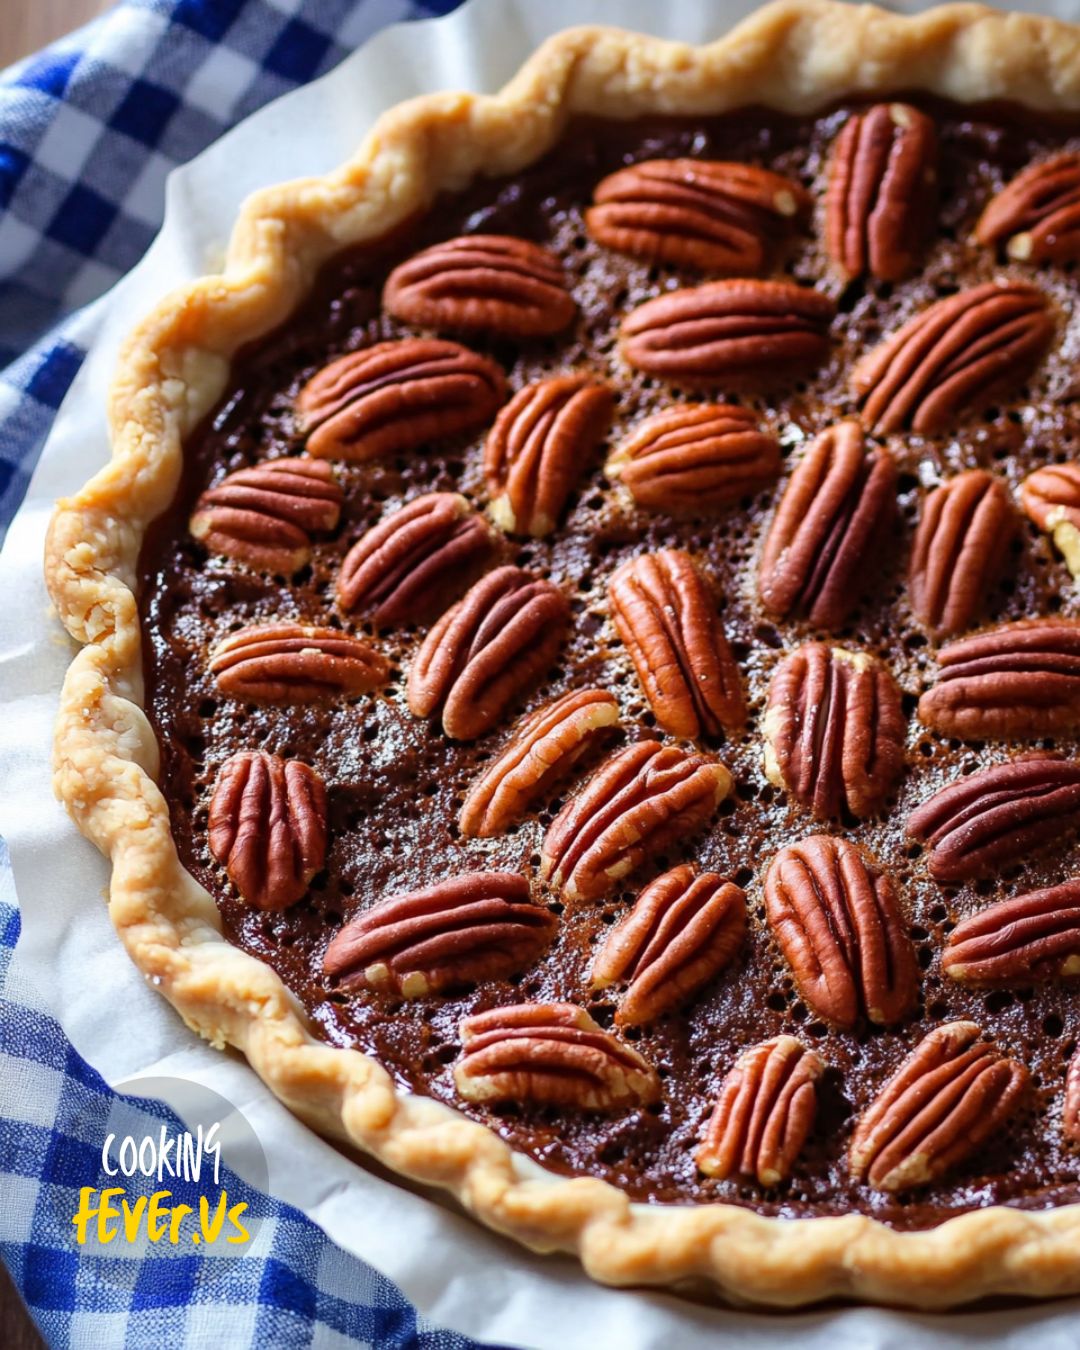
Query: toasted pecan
[1051,498]
[637,801]
[268,826]
[709,214]
[476,926]
[416,559]
[295,663]
[951,1094]
[666,615]
[493,283]
[763,1114]
[1017,680]
[953,356]
[755,330]
[837,918]
[835,511]
[1018,941]
[997,814]
[542,750]
[265,515]
[397,396]
[486,650]
[539,446]
[550,1053]
[960,547]
[1036,217]
[695,458]
[834,730]
[882,194]
[682,931]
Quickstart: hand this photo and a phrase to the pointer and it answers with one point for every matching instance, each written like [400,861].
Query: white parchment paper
[454,1271]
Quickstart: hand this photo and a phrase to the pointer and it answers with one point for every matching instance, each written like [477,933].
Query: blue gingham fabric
[89,129]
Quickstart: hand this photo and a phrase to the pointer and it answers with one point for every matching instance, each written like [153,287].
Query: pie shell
[793,56]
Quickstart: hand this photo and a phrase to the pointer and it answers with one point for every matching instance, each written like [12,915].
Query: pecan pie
[610,660]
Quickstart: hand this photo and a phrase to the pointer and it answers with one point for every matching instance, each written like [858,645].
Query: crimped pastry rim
[794,55]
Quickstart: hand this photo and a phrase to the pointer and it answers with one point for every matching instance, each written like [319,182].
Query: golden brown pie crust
[794,56]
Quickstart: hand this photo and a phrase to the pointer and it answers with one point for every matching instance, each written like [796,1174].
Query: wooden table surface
[26,25]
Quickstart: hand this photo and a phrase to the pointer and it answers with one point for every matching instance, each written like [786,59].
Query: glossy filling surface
[396,783]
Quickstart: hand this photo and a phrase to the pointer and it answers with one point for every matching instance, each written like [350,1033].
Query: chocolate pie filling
[396,783]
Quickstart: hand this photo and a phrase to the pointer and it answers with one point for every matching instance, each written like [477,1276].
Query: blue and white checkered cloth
[89,129]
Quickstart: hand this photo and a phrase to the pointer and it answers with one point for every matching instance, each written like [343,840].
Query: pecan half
[479,926]
[834,730]
[540,443]
[1030,937]
[294,663]
[718,216]
[763,1114]
[1037,216]
[682,930]
[638,801]
[397,396]
[947,1098]
[1019,679]
[997,814]
[415,559]
[267,825]
[543,749]
[486,650]
[553,1054]
[960,546]
[839,503]
[1071,1119]
[1051,498]
[882,194]
[751,329]
[490,283]
[837,919]
[665,614]
[695,458]
[264,516]
[953,355]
